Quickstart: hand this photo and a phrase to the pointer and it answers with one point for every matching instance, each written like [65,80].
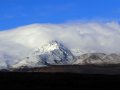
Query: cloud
[88,36]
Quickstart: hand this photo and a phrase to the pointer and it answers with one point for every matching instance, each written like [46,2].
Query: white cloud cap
[90,36]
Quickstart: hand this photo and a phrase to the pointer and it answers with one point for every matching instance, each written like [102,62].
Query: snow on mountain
[78,39]
[52,53]
[98,59]
[55,53]
[112,58]
[91,58]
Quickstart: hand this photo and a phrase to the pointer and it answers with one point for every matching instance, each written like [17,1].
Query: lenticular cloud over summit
[82,37]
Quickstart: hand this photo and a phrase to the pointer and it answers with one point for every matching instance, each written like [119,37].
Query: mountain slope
[98,59]
[55,53]
[52,53]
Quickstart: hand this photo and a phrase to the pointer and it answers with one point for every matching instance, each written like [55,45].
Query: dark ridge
[81,69]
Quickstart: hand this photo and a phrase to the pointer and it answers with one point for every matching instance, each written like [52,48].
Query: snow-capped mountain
[55,53]
[52,53]
[40,45]
[98,59]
